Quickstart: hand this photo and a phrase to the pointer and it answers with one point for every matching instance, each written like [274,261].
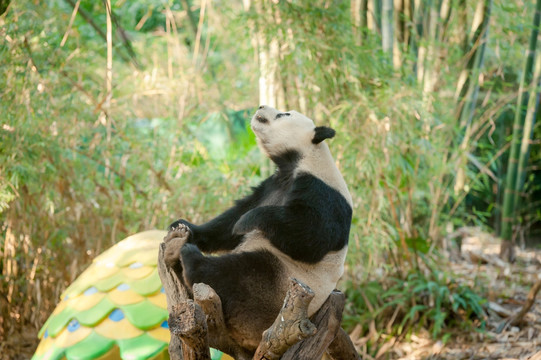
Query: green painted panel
[149,285]
[91,347]
[44,327]
[55,353]
[145,315]
[59,321]
[96,313]
[111,282]
[140,348]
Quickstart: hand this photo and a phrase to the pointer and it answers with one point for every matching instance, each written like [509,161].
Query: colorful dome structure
[116,309]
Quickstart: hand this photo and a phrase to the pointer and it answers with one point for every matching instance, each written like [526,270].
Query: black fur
[246,284]
[322,133]
[263,268]
[314,221]
[303,217]
[298,213]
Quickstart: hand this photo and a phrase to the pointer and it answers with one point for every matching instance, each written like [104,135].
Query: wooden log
[291,324]
[211,305]
[175,293]
[342,347]
[187,321]
[327,320]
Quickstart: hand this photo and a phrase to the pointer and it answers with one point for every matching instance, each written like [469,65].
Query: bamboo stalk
[374,20]
[88,18]
[529,119]
[364,20]
[527,133]
[399,30]
[108,69]
[355,10]
[429,76]
[510,194]
[418,45]
[199,32]
[470,99]
[475,57]
[387,28]
[66,34]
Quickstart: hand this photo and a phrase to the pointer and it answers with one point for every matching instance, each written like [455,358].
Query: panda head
[279,132]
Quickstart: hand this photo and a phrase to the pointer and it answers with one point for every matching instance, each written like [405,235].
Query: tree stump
[291,324]
[199,323]
[175,293]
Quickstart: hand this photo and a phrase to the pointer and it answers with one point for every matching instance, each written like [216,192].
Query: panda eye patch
[282,114]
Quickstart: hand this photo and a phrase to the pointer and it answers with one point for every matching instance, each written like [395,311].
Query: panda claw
[177,230]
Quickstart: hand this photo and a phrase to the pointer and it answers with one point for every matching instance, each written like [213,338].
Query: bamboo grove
[114,110]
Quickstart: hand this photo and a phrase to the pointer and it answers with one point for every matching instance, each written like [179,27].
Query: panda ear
[322,133]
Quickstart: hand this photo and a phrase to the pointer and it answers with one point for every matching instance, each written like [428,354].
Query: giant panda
[296,223]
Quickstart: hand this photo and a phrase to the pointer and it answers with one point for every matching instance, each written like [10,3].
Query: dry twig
[517,318]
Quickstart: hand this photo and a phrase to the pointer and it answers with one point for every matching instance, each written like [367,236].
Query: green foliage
[77,175]
[429,299]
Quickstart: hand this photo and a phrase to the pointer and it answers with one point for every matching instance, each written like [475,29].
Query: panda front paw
[171,253]
[179,230]
[179,224]
[178,235]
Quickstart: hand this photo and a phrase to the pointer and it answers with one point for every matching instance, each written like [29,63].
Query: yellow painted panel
[66,338]
[160,333]
[122,329]
[124,297]
[101,270]
[84,302]
[44,345]
[137,273]
[159,300]
[61,306]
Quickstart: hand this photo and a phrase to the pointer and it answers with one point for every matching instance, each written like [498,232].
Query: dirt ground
[507,285]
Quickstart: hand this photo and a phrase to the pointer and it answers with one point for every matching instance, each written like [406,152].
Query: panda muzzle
[261,119]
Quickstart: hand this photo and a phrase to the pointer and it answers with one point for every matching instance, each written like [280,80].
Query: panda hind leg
[251,286]
[192,260]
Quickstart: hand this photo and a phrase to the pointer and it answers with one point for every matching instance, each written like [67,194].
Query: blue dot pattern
[136,265]
[123,287]
[116,315]
[90,291]
[165,324]
[73,325]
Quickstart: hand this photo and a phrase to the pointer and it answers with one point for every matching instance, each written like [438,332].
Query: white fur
[319,162]
[321,277]
[295,132]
